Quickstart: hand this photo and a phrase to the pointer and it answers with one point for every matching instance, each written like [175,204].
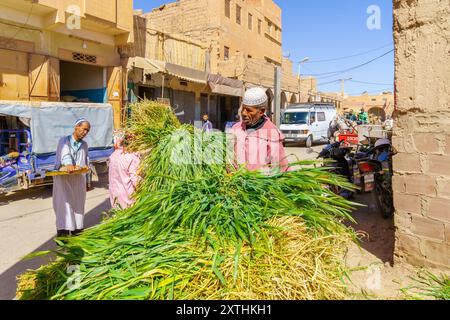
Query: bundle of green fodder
[428,286]
[203,229]
[149,122]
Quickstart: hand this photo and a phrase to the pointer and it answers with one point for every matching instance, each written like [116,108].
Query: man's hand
[71,168]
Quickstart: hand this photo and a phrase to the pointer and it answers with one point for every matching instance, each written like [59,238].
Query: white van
[307,122]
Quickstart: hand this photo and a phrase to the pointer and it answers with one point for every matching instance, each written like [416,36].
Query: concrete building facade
[377,106]
[242,40]
[175,69]
[52,50]
[422,132]
[250,27]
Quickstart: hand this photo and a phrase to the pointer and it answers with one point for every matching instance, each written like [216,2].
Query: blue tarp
[94,95]
[52,120]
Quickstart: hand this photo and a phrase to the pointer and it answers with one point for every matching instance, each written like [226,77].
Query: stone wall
[422,132]
[261,72]
[239,38]
[205,21]
[194,19]
[191,18]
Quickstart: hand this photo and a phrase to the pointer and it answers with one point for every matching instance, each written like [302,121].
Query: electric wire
[355,81]
[372,83]
[350,56]
[334,73]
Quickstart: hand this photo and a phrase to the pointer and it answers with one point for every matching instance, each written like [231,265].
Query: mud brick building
[422,132]
[243,41]
[54,50]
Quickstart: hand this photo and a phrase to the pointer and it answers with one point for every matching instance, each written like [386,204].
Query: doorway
[378,113]
[82,83]
[146,93]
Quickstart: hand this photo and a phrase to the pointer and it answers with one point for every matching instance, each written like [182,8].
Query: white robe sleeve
[62,152]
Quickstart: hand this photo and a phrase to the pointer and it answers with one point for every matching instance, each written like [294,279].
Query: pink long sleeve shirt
[261,149]
[123,177]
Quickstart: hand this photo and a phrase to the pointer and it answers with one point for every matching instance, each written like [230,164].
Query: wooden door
[204,105]
[124,96]
[115,88]
[54,92]
[13,75]
[38,77]
[213,111]
[178,105]
[189,107]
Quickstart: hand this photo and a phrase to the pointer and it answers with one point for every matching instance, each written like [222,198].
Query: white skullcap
[80,121]
[254,97]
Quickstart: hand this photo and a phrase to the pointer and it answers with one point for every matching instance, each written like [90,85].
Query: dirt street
[373,275]
[27,224]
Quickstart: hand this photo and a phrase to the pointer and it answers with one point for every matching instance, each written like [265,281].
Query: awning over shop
[249,85]
[185,73]
[149,66]
[225,86]
[155,66]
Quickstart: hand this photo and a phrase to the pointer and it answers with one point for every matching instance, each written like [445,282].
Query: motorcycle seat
[361,155]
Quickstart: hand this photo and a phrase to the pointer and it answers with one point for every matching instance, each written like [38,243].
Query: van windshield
[295,118]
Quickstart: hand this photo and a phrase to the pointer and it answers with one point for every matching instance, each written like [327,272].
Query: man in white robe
[69,191]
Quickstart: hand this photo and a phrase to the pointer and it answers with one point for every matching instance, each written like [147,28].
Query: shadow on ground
[378,233]
[45,192]
[8,279]
[302,144]
[35,193]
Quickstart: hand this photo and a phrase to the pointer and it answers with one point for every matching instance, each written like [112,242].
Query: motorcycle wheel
[335,189]
[346,194]
[384,199]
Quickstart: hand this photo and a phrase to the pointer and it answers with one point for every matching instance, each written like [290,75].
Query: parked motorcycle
[372,171]
[342,164]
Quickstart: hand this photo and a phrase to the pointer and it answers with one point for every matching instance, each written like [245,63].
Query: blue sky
[330,29]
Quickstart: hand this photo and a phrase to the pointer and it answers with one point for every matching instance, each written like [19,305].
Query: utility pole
[298,78]
[277,98]
[343,83]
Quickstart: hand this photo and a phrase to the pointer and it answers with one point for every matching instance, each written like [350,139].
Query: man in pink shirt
[258,144]
[123,176]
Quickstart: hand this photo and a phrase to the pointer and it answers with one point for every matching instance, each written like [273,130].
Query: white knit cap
[80,121]
[254,97]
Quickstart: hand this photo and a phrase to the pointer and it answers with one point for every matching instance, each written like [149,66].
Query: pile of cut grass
[202,228]
[428,286]
[150,121]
